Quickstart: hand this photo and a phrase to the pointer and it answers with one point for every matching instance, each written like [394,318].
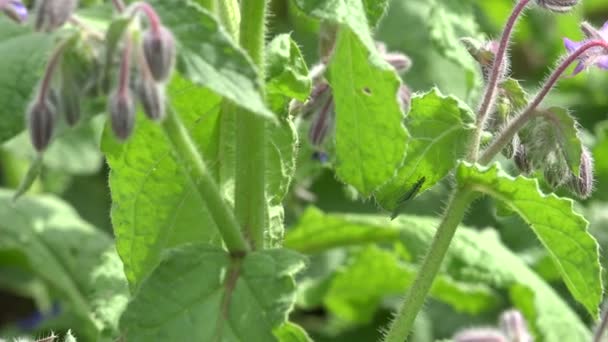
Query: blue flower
[14,9]
[594,56]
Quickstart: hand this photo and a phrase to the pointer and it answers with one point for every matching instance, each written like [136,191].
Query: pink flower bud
[557,5]
[41,123]
[152,97]
[159,52]
[122,114]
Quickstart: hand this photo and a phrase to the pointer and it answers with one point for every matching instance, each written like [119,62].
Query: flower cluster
[145,64]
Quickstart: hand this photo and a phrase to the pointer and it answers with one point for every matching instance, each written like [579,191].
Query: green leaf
[290,332]
[24,55]
[207,296]
[440,127]
[356,290]
[450,21]
[561,230]
[286,73]
[154,204]
[473,258]
[370,137]
[70,256]
[600,155]
[208,57]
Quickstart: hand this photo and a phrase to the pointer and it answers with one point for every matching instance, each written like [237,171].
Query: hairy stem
[489,97]
[506,135]
[250,181]
[119,5]
[205,186]
[414,299]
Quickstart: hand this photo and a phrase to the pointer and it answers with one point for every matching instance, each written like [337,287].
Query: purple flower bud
[122,114]
[159,52]
[14,9]
[152,97]
[557,5]
[52,14]
[514,326]
[583,184]
[399,61]
[480,335]
[405,97]
[41,123]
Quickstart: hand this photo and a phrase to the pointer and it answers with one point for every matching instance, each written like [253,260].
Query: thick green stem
[414,299]
[250,182]
[208,191]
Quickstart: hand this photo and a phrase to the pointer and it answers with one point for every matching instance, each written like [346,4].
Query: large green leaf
[440,127]
[75,259]
[474,258]
[370,137]
[154,203]
[355,291]
[209,57]
[24,54]
[559,228]
[207,296]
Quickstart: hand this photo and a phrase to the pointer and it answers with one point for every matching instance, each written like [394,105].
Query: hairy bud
[152,97]
[41,123]
[159,52]
[514,326]
[557,5]
[583,184]
[521,159]
[52,14]
[480,335]
[122,114]
[404,96]
[14,9]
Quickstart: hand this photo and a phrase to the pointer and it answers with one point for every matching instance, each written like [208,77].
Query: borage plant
[214,132]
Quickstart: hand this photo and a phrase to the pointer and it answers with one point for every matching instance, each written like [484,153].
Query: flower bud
[159,52]
[152,97]
[322,120]
[41,123]
[514,326]
[557,5]
[405,97]
[480,335]
[583,184]
[521,159]
[52,14]
[122,114]
[70,102]
[14,9]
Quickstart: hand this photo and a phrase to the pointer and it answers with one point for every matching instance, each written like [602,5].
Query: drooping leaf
[24,55]
[154,204]
[245,299]
[356,290]
[370,137]
[209,57]
[474,258]
[561,230]
[440,128]
[70,256]
[286,73]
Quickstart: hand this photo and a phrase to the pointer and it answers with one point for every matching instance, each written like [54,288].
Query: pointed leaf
[559,228]
[440,127]
[370,137]
[207,296]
